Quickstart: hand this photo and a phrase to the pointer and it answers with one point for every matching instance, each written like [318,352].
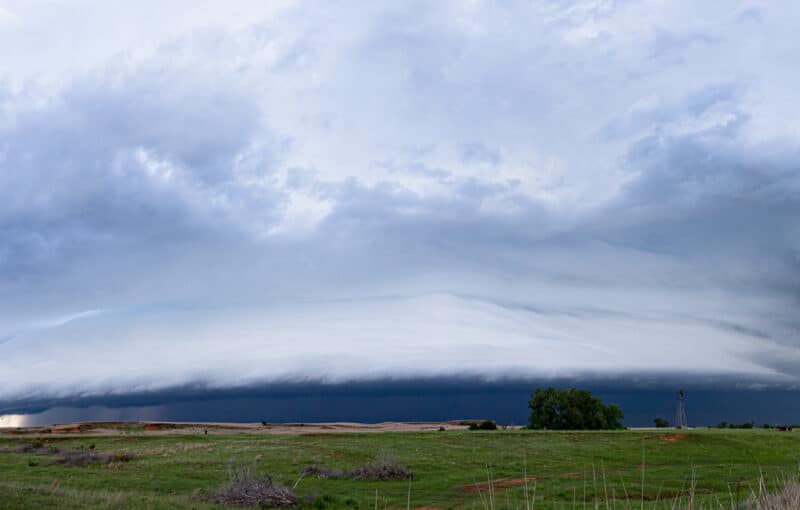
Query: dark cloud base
[709,401]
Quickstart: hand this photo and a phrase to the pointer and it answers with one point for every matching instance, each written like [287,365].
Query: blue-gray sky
[230,193]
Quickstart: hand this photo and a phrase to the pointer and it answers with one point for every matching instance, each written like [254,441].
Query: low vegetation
[786,498]
[246,488]
[484,425]
[385,468]
[69,457]
[503,469]
[745,425]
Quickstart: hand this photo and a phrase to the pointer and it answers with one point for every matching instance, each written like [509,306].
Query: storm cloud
[351,191]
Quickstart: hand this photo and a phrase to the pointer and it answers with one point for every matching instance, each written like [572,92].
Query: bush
[321,472]
[73,457]
[385,468]
[571,409]
[484,425]
[726,425]
[80,458]
[661,423]
[244,488]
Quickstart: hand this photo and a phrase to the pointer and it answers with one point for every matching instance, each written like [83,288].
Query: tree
[661,423]
[571,409]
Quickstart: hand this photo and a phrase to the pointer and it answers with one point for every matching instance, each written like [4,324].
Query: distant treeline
[750,424]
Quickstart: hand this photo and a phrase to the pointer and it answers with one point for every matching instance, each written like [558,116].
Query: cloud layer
[351,191]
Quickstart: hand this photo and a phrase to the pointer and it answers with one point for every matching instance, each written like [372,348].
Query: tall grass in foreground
[248,489]
[787,497]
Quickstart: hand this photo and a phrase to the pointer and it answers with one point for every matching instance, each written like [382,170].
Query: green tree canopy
[572,409]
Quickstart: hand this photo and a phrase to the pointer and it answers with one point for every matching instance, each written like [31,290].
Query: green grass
[170,471]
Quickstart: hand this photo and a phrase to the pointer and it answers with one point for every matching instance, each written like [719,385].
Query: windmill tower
[680,413]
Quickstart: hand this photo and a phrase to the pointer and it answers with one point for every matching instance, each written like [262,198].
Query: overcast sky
[228,193]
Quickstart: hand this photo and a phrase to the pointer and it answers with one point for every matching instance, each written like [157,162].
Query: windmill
[680,413]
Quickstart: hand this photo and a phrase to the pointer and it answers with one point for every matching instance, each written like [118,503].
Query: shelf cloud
[351,191]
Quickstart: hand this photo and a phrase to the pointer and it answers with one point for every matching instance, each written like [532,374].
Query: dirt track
[164,428]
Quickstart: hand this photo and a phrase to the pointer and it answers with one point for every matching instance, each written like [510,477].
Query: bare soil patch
[500,483]
[199,428]
[509,483]
[674,437]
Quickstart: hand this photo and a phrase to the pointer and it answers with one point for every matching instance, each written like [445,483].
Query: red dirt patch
[500,483]
[68,429]
[566,475]
[674,437]
[159,426]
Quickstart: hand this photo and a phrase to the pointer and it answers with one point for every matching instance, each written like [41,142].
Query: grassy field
[451,469]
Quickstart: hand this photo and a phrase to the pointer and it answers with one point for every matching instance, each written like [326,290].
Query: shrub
[80,458]
[484,425]
[321,472]
[74,457]
[661,423]
[746,425]
[385,468]
[244,488]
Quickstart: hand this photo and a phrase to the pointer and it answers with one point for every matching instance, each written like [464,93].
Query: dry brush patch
[499,483]
[71,457]
[382,469]
[247,488]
